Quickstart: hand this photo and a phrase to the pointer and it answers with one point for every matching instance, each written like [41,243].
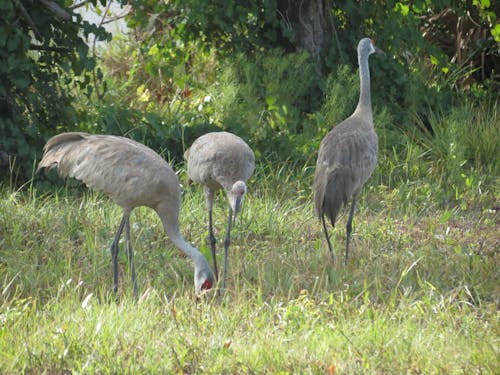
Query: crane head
[367,46]
[203,276]
[207,284]
[236,195]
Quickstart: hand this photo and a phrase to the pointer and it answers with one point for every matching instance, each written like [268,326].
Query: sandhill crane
[347,154]
[132,175]
[221,160]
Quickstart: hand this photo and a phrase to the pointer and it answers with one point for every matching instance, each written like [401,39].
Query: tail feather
[331,189]
[334,196]
[56,148]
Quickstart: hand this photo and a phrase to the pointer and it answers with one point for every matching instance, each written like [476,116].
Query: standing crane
[347,154]
[132,175]
[221,160]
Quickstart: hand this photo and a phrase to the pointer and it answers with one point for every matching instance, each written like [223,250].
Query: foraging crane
[132,175]
[347,154]
[221,160]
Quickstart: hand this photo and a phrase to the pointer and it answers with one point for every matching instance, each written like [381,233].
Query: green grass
[420,294]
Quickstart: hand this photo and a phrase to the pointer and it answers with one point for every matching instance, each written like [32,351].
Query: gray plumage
[132,175]
[347,154]
[221,160]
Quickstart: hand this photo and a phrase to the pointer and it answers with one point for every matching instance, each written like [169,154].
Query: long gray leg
[213,242]
[227,241]
[327,236]
[349,229]
[115,248]
[209,199]
[130,254]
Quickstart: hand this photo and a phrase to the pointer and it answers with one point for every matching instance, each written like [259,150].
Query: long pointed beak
[236,206]
[235,196]
[379,51]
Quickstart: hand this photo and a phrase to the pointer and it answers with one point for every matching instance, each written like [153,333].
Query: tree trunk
[307,20]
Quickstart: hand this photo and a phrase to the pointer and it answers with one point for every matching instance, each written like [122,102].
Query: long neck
[171,226]
[187,249]
[198,259]
[364,104]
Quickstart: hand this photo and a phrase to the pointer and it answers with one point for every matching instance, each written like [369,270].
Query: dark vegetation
[278,73]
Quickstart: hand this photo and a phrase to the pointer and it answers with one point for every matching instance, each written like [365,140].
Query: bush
[42,58]
[453,157]
[266,100]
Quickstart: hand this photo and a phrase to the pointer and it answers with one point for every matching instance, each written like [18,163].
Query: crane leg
[130,254]
[114,251]
[327,236]
[227,241]
[213,242]
[349,229]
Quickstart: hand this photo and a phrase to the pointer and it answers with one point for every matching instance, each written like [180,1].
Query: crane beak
[235,196]
[236,204]
[378,51]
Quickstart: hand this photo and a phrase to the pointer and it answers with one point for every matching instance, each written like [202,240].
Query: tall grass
[419,294]
[466,136]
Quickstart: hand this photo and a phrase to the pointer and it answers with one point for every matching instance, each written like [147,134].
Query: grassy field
[420,294]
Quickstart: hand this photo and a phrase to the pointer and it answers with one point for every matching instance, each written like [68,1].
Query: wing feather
[346,159]
[127,171]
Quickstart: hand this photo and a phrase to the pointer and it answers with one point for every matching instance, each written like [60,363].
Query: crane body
[347,155]
[221,160]
[132,175]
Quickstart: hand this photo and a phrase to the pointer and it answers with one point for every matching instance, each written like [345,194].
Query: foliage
[164,129]
[341,96]
[152,95]
[217,61]
[42,57]
[413,34]
[465,137]
[233,27]
[466,33]
[189,67]
[462,143]
[230,26]
[264,99]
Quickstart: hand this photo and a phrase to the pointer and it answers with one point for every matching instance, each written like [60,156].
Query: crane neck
[364,107]
[168,211]
[171,226]
[196,256]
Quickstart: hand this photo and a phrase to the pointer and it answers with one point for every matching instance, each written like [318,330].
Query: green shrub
[454,157]
[341,96]
[466,137]
[41,61]
[266,100]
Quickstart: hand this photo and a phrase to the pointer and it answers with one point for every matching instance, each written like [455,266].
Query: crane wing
[346,159]
[127,171]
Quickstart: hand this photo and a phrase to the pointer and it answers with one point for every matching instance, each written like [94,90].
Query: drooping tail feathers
[56,148]
[330,193]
